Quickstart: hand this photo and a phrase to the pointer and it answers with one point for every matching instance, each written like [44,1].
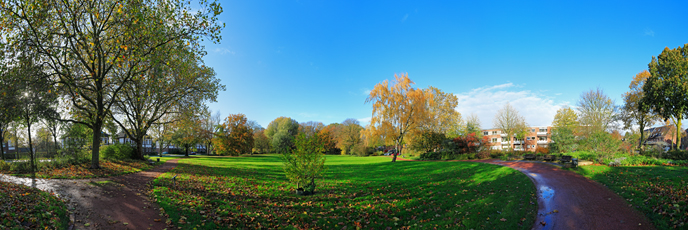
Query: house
[148,146]
[9,147]
[537,137]
[664,137]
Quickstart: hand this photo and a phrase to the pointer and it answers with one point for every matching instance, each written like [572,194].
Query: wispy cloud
[403,19]
[649,32]
[364,121]
[365,92]
[223,51]
[485,101]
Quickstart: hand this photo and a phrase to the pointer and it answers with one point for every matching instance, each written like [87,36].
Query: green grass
[657,191]
[23,207]
[357,192]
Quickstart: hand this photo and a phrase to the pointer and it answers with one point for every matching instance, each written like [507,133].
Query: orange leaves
[235,137]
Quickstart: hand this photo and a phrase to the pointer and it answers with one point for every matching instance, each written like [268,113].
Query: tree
[441,111]
[397,109]
[634,112]
[328,136]
[180,82]
[160,132]
[37,98]
[349,135]
[234,137]
[566,117]
[563,130]
[311,127]
[185,133]
[666,90]
[261,143]
[510,122]
[306,162]
[596,111]
[92,49]
[473,125]
[281,133]
[9,100]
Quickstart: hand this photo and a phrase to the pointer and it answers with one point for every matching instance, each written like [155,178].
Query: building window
[494,139]
[494,132]
[532,130]
[543,130]
[542,138]
[486,133]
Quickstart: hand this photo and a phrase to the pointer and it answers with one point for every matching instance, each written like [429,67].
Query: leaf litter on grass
[225,194]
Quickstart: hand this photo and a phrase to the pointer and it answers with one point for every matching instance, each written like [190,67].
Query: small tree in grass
[306,162]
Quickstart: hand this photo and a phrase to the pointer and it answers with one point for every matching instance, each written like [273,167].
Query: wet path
[106,203]
[570,201]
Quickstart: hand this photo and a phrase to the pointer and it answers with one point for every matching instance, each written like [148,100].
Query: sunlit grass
[356,192]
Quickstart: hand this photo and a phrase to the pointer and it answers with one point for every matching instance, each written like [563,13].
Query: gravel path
[106,203]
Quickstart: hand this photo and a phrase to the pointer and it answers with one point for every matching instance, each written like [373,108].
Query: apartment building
[537,137]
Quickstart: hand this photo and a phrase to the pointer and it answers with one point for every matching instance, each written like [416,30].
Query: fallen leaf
[502,219]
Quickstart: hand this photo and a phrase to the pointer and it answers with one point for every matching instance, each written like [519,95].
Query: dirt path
[107,203]
[570,201]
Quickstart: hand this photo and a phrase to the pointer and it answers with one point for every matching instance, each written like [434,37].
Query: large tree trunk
[95,152]
[55,143]
[186,148]
[31,156]
[678,133]
[139,149]
[642,132]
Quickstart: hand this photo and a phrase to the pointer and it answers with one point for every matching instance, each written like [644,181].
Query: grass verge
[23,207]
[108,168]
[357,192]
[659,192]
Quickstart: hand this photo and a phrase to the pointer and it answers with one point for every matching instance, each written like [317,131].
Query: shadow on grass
[252,192]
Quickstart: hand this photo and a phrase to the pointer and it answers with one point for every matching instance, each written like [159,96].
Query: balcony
[518,149]
[503,134]
[542,142]
[542,133]
[518,142]
[505,142]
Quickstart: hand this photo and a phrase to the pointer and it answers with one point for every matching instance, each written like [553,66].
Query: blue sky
[315,60]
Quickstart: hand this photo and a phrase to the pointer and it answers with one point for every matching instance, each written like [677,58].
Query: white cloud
[649,32]
[364,121]
[538,109]
[223,51]
[404,18]
[365,92]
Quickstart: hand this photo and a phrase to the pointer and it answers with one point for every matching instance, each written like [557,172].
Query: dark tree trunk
[2,142]
[642,131]
[139,149]
[95,152]
[186,148]
[31,156]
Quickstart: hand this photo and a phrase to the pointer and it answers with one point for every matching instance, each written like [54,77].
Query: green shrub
[497,154]
[677,155]
[118,152]
[4,166]
[21,166]
[431,156]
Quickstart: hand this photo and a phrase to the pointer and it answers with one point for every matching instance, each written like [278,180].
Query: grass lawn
[357,192]
[659,192]
[22,207]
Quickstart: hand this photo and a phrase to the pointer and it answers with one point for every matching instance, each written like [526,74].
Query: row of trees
[136,64]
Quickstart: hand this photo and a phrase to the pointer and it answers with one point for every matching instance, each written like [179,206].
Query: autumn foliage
[234,136]
[469,143]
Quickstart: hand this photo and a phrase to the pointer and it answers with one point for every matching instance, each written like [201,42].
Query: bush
[542,150]
[483,155]
[677,155]
[21,166]
[4,166]
[497,154]
[118,152]
[431,156]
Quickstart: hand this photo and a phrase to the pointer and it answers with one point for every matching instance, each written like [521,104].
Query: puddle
[47,185]
[546,197]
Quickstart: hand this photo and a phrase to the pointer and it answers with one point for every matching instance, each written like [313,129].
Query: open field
[22,207]
[659,192]
[370,192]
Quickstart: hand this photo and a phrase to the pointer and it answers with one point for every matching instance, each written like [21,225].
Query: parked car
[192,153]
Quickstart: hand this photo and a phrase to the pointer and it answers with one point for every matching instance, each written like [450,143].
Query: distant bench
[550,157]
[568,159]
[529,157]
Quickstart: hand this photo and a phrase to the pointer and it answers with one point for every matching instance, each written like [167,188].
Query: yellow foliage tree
[398,108]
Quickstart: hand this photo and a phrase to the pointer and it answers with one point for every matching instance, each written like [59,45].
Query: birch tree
[510,122]
[398,109]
